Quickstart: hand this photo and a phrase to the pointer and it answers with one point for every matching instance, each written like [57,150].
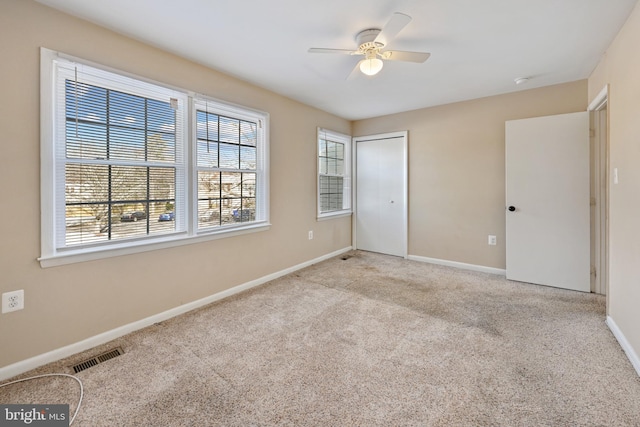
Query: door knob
[512,208]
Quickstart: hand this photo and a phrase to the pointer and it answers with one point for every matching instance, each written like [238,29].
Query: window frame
[52,185]
[347,186]
[262,160]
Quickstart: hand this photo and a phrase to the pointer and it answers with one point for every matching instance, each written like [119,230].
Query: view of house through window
[227,154]
[334,173]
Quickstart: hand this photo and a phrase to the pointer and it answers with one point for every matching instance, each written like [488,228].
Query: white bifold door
[381,193]
[548,201]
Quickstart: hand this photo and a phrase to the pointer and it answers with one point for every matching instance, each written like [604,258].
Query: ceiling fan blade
[356,70]
[399,55]
[391,29]
[340,51]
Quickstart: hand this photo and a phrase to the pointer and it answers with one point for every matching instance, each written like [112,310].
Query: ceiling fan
[371,44]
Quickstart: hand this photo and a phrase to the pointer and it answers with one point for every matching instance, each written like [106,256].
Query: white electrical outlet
[12,301]
[310,234]
[492,240]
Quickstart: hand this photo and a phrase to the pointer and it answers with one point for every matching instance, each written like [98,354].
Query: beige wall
[620,69]
[456,169]
[69,303]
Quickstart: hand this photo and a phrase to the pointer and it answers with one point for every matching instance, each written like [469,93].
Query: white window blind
[230,156]
[334,173]
[119,157]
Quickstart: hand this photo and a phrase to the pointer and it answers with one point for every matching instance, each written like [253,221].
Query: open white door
[381,193]
[548,201]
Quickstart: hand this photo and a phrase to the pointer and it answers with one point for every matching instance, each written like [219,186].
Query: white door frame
[600,192]
[405,208]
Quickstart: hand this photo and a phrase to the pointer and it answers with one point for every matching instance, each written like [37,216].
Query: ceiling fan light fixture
[371,45]
[371,66]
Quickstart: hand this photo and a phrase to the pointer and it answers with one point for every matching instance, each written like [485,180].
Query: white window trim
[262,169]
[52,256]
[348,174]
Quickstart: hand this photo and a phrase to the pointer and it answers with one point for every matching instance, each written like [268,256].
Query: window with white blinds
[334,173]
[116,169]
[230,166]
[119,157]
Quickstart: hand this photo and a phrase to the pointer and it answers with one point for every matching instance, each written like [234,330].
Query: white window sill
[334,215]
[90,254]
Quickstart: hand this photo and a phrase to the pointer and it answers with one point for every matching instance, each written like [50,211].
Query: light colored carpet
[371,340]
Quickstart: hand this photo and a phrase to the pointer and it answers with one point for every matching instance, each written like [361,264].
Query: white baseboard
[461,265]
[622,340]
[86,344]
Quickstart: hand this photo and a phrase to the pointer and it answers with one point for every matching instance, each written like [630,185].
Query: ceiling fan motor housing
[366,40]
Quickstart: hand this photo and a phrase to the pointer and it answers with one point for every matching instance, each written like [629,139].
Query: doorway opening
[599,125]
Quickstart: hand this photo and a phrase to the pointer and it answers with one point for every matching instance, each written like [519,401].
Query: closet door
[381,194]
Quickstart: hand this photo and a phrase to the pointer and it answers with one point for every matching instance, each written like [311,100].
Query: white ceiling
[478,47]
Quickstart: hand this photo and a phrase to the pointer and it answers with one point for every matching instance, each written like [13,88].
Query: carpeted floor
[370,340]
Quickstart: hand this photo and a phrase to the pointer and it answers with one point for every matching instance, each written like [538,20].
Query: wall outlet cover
[12,301]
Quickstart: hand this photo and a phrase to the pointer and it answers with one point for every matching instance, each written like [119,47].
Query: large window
[131,164]
[334,173]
